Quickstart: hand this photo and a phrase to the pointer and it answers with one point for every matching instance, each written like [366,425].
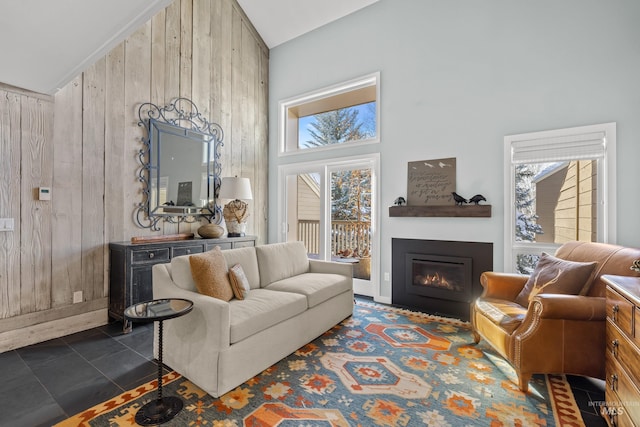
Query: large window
[559,186]
[346,113]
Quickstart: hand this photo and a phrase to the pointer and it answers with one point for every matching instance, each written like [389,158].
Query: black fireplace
[438,277]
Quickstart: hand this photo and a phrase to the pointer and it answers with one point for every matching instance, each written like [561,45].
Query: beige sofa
[293,300]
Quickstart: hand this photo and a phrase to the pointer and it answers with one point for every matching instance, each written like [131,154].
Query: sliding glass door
[331,208]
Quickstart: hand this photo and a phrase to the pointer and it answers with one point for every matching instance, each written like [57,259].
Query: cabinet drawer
[620,311]
[618,417]
[620,348]
[150,255]
[223,245]
[187,250]
[636,327]
[625,394]
[245,244]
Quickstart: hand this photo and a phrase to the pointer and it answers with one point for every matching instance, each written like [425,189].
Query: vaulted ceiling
[278,21]
[46,43]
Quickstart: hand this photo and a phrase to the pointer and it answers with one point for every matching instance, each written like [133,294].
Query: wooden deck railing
[344,235]
[309,233]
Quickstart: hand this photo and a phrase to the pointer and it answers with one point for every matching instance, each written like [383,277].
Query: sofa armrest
[504,286]
[213,323]
[342,268]
[569,307]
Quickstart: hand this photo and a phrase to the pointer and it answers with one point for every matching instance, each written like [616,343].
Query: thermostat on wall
[44,193]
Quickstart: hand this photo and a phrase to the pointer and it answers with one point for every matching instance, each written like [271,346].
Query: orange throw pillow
[557,276]
[209,271]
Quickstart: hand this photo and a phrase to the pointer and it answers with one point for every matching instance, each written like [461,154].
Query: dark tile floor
[48,382]
[589,394]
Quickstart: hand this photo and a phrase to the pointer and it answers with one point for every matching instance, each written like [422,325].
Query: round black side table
[162,409]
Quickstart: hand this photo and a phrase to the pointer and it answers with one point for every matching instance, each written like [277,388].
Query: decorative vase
[210,231]
[235,228]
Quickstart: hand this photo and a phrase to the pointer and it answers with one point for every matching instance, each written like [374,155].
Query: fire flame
[435,280]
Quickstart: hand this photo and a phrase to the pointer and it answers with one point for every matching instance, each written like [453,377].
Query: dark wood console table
[130,267]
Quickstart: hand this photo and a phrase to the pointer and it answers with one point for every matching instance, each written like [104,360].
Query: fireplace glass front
[446,277]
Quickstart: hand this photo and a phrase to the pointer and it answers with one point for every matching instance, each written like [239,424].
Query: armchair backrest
[612,259]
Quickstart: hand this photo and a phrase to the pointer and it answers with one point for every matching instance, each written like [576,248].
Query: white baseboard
[382,300]
[10,340]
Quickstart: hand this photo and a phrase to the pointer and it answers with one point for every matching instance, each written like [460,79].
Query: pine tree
[335,127]
[526,225]
[351,195]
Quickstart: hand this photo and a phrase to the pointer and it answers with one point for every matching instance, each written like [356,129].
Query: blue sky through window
[366,116]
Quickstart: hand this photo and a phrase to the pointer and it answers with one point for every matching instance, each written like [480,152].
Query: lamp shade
[235,188]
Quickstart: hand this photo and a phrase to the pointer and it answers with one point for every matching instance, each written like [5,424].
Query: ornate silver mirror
[180,168]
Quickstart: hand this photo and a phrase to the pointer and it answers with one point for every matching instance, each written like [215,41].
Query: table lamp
[235,212]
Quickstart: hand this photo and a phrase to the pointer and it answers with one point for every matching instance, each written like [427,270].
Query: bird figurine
[477,198]
[400,201]
[458,198]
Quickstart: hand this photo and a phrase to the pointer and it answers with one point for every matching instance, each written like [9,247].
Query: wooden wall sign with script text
[430,182]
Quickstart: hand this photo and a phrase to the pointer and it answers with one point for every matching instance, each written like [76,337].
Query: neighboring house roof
[312,181]
[549,170]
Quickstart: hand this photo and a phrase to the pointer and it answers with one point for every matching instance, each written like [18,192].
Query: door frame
[324,168]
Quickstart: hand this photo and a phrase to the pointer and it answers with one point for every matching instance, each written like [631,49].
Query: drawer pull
[614,347]
[614,314]
[151,255]
[613,385]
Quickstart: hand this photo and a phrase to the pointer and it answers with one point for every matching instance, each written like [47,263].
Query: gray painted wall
[457,76]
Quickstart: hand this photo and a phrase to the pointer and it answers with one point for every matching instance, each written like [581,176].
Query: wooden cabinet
[623,351]
[130,266]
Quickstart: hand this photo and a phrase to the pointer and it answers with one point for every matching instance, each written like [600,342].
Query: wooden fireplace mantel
[477,211]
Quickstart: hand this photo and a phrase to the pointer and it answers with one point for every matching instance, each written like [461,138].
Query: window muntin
[308,122]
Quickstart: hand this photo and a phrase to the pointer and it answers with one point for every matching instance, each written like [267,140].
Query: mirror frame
[183,114]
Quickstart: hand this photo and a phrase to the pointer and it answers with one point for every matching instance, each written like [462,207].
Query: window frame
[288,122]
[606,206]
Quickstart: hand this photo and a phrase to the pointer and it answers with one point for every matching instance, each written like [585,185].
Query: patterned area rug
[382,367]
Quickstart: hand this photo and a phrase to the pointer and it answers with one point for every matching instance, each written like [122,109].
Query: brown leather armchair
[556,333]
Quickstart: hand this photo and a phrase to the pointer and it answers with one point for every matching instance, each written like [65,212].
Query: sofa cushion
[506,314]
[317,287]
[181,273]
[557,276]
[239,282]
[278,261]
[246,257]
[210,272]
[261,309]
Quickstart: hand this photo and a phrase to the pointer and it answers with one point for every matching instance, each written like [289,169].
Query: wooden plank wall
[84,143]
